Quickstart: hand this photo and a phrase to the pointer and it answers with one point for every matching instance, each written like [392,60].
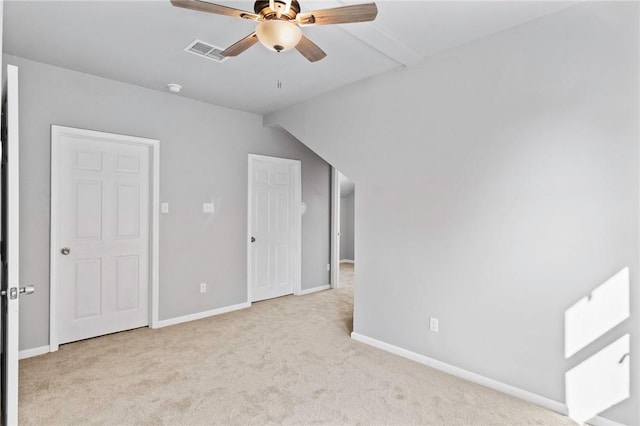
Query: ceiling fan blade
[339,15]
[204,6]
[240,46]
[310,50]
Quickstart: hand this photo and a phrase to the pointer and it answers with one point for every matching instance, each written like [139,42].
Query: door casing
[297,220]
[154,212]
[10,335]
[335,228]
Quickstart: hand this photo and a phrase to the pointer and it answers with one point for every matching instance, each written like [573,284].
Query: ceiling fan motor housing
[261,7]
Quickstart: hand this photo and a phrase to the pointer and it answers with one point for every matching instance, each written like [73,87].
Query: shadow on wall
[602,380]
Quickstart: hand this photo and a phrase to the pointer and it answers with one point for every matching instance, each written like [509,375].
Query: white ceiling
[142,42]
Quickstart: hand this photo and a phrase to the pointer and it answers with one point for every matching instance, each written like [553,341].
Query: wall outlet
[328,267]
[164,207]
[434,323]
[203,287]
[207,208]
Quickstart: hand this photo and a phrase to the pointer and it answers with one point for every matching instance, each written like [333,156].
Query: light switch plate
[164,207]
[207,208]
[434,324]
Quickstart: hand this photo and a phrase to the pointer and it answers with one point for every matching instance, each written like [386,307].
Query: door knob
[65,250]
[13,291]
[27,289]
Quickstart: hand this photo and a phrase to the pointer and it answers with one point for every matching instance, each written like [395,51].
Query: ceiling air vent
[206,50]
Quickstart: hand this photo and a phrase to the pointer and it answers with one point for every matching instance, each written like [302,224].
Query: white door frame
[10,415]
[335,228]
[296,223]
[154,212]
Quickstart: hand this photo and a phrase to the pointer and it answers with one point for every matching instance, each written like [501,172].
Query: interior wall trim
[531,397]
[201,315]
[30,353]
[314,290]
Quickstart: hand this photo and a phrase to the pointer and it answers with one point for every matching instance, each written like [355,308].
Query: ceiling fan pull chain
[278,70]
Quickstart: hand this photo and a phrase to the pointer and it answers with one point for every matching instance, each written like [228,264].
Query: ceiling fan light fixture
[278,35]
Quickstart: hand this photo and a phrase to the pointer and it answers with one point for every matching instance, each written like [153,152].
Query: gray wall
[346,227]
[498,188]
[203,157]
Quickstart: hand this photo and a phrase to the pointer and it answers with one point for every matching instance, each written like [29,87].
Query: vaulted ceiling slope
[142,43]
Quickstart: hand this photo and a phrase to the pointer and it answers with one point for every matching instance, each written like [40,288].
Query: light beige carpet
[288,360]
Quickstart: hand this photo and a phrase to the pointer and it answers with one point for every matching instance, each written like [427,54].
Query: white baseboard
[533,398]
[602,421]
[347,261]
[201,315]
[314,290]
[29,353]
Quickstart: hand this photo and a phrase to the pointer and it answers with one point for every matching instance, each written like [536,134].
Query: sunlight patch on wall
[595,315]
[600,382]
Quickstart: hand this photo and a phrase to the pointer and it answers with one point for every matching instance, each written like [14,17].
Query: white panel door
[102,235]
[274,227]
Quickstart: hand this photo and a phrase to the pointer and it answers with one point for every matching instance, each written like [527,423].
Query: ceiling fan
[279,23]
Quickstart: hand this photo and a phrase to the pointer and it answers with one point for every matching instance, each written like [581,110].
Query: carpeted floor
[288,360]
